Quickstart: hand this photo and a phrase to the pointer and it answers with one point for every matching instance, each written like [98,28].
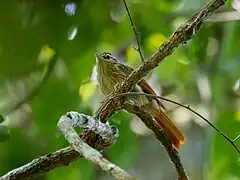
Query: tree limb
[68,155]
[147,119]
[231,141]
[43,164]
[71,119]
[182,35]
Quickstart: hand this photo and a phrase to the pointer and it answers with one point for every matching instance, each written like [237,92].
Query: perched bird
[110,72]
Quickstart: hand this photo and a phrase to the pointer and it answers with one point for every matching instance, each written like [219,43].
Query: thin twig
[232,142]
[183,34]
[135,31]
[236,138]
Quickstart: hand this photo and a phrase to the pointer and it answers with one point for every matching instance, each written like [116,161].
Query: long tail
[174,134]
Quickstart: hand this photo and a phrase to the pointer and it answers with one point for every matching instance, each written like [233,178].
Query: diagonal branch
[231,141]
[43,164]
[68,155]
[146,118]
[183,34]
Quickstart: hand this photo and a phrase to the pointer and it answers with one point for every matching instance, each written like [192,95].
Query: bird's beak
[97,55]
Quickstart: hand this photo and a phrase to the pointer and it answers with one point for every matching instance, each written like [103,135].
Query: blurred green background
[204,74]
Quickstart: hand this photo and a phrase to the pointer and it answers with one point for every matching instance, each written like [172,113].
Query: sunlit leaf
[238,115]
[133,56]
[87,90]
[45,54]
[155,40]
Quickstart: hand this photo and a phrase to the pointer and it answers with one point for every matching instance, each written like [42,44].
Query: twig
[43,164]
[232,142]
[236,138]
[183,34]
[67,155]
[50,66]
[146,117]
[71,119]
[135,31]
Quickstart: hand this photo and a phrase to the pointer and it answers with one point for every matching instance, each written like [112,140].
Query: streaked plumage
[111,72]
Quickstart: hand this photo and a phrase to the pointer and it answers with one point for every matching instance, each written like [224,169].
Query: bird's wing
[146,88]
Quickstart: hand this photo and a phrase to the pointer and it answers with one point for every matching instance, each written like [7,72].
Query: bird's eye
[107,56]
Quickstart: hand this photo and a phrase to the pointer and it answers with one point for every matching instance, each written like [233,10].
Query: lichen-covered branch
[181,36]
[102,136]
[68,155]
[72,119]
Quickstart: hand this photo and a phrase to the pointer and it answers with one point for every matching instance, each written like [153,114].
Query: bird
[111,72]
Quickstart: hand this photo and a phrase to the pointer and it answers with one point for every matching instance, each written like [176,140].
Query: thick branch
[43,164]
[183,34]
[231,141]
[71,119]
[102,136]
[68,155]
[147,119]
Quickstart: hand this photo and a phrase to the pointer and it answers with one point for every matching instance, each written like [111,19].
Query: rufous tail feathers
[174,134]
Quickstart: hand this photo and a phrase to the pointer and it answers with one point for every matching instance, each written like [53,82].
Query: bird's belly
[107,86]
